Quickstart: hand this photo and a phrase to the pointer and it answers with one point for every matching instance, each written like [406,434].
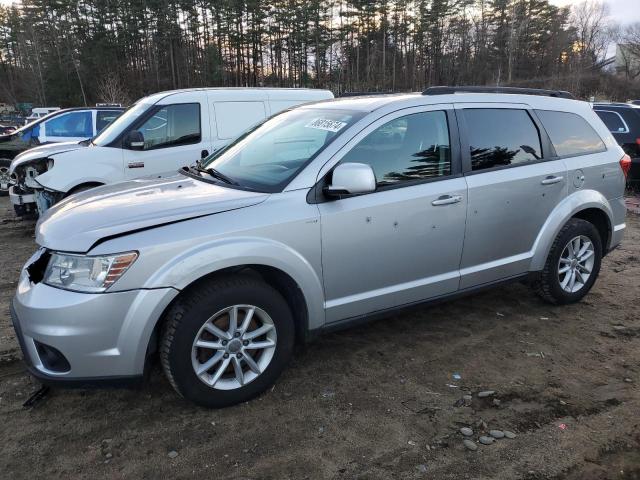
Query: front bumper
[18,198]
[103,337]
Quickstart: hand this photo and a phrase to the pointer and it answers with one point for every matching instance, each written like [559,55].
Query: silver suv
[317,218]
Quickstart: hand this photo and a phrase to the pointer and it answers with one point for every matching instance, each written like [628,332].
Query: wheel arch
[83,186]
[589,205]
[276,278]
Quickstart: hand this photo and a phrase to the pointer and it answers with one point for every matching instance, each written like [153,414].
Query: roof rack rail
[512,90]
[362,94]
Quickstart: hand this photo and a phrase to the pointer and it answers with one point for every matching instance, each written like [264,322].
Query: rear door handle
[447,200]
[551,180]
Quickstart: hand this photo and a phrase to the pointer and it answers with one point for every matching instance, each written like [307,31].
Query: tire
[190,317]
[553,286]
[5,163]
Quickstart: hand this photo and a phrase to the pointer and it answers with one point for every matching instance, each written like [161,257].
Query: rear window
[613,121]
[570,134]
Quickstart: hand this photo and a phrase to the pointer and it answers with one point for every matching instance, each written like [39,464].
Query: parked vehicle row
[159,134]
[316,218]
[623,121]
[61,126]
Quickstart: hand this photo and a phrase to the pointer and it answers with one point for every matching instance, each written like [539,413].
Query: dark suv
[623,121]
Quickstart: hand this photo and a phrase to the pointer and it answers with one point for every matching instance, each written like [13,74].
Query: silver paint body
[350,257]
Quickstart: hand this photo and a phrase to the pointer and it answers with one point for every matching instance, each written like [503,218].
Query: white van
[158,134]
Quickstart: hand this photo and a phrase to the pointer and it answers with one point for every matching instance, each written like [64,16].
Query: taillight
[625,165]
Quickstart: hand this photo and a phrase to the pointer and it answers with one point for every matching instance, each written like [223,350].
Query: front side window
[613,121]
[410,148]
[172,125]
[501,137]
[104,118]
[73,124]
[267,157]
[570,134]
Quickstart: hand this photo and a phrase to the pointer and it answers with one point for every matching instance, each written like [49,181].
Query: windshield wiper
[221,176]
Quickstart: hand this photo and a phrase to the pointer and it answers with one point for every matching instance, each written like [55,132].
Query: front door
[402,243]
[514,183]
[175,135]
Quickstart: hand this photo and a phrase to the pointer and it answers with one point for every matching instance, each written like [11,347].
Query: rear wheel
[5,178]
[226,341]
[573,263]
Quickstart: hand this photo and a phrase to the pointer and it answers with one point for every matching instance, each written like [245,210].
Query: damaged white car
[159,134]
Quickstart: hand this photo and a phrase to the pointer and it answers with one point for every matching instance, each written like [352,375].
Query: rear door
[514,182]
[175,135]
[232,117]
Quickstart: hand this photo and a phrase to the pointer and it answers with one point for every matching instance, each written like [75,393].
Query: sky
[622,11]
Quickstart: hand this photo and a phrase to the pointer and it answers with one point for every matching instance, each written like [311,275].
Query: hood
[44,151]
[78,222]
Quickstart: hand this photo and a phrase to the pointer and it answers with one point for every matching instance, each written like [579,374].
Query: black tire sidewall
[575,228]
[195,314]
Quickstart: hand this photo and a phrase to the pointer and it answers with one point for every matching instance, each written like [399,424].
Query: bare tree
[111,90]
[628,51]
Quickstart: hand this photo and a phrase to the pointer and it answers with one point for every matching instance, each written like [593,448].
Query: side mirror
[135,140]
[351,178]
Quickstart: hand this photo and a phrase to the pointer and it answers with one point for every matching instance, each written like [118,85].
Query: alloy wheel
[234,347]
[576,264]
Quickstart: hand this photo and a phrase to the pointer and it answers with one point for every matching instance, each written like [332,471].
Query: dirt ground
[377,401]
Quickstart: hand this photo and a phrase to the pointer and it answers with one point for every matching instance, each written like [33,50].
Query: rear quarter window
[613,121]
[570,134]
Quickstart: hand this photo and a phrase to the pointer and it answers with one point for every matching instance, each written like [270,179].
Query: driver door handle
[550,180]
[447,200]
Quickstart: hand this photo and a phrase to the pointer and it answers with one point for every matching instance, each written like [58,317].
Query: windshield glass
[268,156]
[115,128]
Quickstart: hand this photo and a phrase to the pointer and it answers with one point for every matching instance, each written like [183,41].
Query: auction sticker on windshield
[326,124]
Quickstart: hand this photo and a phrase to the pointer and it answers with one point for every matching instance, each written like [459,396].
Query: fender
[83,165]
[191,265]
[567,208]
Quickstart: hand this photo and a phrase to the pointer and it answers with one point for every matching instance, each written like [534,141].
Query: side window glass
[500,136]
[73,124]
[570,133]
[613,121]
[409,148]
[172,125]
[104,118]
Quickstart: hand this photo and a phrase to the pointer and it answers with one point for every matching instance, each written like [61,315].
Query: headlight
[87,274]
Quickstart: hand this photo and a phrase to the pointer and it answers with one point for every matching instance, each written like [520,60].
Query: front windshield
[267,157]
[115,128]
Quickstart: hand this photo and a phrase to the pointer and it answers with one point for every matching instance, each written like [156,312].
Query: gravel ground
[384,400]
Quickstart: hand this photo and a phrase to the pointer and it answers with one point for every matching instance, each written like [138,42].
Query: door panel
[401,244]
[509,199]
[171,140]
[391,248]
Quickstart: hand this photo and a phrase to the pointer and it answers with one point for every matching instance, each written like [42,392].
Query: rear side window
[613,121]
[500,137]
[570,133]
[104,118]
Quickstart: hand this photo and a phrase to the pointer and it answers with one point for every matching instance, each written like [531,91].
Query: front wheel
[5,178]
[573,263]
[226,341]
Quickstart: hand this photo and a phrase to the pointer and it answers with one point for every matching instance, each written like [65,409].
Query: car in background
[38,113]
[623,121]
[68,125]
[159,134]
